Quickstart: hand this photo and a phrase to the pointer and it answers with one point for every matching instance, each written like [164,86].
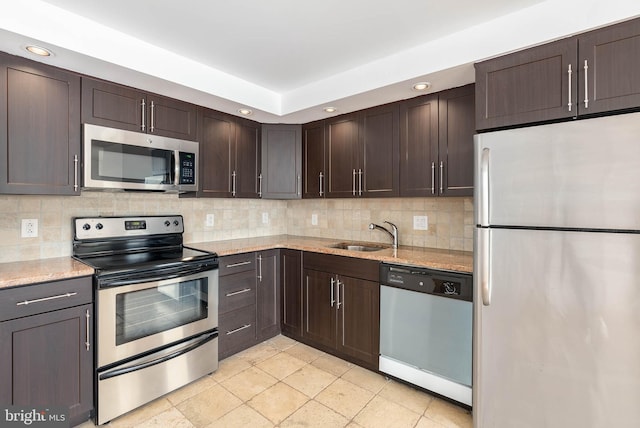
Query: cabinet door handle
[235,293]
[233,183]
[333,282]
[338,285]
[298,186]
[44,299]
[441,175]
[152,126]
[235,330]
[260,185]
[569,71]
[75,173]
[359,182]
[143,122]
[586,84]
[87,343]
[433,178]
[248,262]
[260,268]
[353,186]
[321,184]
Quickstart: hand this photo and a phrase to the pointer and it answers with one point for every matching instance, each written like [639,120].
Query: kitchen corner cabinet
[249,300]
[436,144]
[281,175]
[39,128]
[229,156]
[112,105]
[594,72]
[341,307]
[47,346]
[291,289]
[314,160]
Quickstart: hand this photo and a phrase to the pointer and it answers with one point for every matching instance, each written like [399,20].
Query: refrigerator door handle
[484,264]
[483,209]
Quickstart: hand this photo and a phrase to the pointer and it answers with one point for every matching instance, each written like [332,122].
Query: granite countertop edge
[15,274]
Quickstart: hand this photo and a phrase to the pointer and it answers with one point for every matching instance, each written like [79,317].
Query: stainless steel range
[156,308]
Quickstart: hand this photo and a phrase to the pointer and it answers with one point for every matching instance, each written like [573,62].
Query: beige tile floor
[283,383]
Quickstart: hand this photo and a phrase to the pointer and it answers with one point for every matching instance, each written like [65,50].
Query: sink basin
[357,246]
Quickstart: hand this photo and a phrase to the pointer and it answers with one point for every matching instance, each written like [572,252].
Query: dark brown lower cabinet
[268,295]
[47,359]
[341,307]
[291,289]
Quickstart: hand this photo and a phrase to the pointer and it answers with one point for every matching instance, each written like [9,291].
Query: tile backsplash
[450,220]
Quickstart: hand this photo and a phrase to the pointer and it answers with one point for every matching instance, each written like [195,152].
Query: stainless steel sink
[358,246]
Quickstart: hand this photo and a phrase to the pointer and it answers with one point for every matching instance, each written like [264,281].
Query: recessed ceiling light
[422,86]
[39,50]
[245,111]
[330,109]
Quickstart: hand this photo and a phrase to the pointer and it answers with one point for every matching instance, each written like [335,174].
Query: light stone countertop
[43,270]
[459,261]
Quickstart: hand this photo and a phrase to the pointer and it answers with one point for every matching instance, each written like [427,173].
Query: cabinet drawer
[348,266]
[28,300]
[237,263]
[237,330]
[237,291]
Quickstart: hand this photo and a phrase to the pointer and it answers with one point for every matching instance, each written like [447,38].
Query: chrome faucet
[393,233]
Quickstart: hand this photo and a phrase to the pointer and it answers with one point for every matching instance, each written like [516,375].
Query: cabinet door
[291,280]
[612,79]
[532,85]
[108,104]
[313,151]
[247,159]
[319,317]
[358,304]
[171,118]
[455,141]
[39,128]
[419,146]
[342,155]
[281,161]
[217,152]
[381,151]
[45,361]
[268,294]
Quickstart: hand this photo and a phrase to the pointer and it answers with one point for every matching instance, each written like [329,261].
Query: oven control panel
[113,227]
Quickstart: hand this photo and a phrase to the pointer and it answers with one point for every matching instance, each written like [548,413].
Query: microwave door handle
[175,160]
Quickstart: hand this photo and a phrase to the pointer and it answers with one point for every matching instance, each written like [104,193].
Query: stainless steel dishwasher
[426,328]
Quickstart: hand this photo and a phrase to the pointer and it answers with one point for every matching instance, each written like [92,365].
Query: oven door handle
[158,275]
[207,337]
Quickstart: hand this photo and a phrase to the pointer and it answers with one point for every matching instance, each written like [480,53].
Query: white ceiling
[286,59]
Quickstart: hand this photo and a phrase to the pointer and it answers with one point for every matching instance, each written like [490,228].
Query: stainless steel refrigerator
[557,275]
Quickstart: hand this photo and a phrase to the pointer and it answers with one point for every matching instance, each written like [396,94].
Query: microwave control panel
[187,168]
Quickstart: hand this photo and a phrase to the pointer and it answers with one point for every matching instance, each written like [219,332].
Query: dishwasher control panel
[430,281]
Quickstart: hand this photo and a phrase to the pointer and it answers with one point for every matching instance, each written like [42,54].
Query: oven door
[137,318]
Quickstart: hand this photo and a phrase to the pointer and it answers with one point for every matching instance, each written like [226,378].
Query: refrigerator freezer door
[558,344]
[581,174]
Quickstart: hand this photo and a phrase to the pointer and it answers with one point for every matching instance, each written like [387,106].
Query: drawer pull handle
[235,293]
[238,329]
[248,262]
[44,299]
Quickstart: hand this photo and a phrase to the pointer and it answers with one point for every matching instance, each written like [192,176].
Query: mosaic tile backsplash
[450,220]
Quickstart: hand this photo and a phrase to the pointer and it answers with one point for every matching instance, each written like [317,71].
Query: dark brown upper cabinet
[229,156]
[344,175]
[314,160]
[436,144]
[595,72]
[380,141]
[39,128]
[109,104]
[281,162]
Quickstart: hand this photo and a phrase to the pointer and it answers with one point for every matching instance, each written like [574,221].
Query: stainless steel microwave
[125,160]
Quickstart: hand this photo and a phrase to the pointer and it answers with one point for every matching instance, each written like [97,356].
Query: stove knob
[86,226]
[99,226]
[176,222]
[167,223]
